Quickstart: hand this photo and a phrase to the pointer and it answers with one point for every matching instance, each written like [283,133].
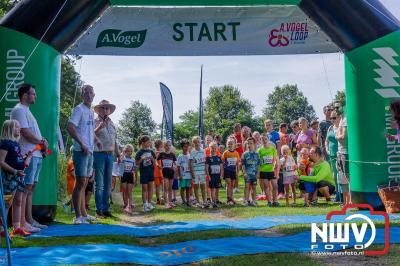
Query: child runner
[175,182]
[289,172]
[185,176]
[198,169]
[146,159]
[269,161]
[167,160]
[12,166]
[128,178]
[231,160]
[214,169]
[158,176]
[251,169]
[304,169]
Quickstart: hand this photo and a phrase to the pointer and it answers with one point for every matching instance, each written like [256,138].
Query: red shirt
[207,151]
[239,141]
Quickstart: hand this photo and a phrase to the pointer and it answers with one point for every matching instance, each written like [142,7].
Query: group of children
[198,172]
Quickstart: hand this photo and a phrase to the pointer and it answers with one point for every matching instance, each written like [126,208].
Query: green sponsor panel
[202,2]
[372,83]
[42,70]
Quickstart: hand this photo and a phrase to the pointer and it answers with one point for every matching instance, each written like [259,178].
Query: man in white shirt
[30,137]
[81,128]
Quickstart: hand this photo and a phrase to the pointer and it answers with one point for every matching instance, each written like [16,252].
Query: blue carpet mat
[171,254]
[256,223]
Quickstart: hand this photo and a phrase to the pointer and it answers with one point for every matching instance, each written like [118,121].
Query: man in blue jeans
[104,156]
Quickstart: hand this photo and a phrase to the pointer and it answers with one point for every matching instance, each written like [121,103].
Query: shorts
[267,175]
[343,163]
[344,188]
[251,181]
[230,175]
[127,178]
[215,181]
[175,185]
[168,173]
[287,180]
[158,180]
[83,164]
[322,184]
[89,187]
[146,178]
[33,171]
[199,179]
[308,187]
[12,183]
[185,183]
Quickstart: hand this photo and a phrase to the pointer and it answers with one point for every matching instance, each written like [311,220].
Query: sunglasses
[105,108]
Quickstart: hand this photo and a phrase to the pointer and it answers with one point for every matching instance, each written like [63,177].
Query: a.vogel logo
[386,73]
[119,38]
[335,236]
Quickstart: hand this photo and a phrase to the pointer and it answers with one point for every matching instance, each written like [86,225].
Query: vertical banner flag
[167,102]
[201,127]
[162,125]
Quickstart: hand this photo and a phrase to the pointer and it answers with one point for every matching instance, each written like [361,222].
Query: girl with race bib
[231,160]
[128,178]
[269,161]
[214,169]
[289,167]
[167,161]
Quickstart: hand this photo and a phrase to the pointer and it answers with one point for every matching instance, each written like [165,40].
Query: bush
[62,181]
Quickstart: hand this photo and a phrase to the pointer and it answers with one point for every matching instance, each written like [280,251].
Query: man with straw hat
[104,156]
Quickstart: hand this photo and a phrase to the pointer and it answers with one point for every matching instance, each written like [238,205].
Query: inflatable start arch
[35,34]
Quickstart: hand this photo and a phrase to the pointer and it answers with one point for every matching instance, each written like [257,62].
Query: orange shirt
[70,177]
[230,159]
[207,151]
[158,170]
[307,164]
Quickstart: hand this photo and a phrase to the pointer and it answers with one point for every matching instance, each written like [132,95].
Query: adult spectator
[322,176]
[343,158]
[104,156]
[257,138]
[283,135]
[294,125]
[30,137]
[81,128]
[314,125]
[323,130]
[218,140]
[307,137]
[331,148]
[272,134]
[237,134]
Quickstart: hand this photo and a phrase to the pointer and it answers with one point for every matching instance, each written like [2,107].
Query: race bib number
[128,166]
[147,159]
[231,161]
[268,159]
[185,168]
[215,169]
[200,160]
[290,168]
[167,163]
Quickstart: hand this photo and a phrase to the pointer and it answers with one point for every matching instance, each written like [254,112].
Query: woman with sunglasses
[331,148]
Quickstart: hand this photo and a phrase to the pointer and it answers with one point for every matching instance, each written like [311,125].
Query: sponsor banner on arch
[203,31]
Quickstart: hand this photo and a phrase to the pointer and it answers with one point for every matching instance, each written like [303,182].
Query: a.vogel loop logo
[288,33]
[336,236]
[119,38]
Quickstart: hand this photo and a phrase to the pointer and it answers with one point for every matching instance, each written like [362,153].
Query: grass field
[161,215]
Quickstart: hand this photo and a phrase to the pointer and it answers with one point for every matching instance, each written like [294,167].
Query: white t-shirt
[183,164]
[83,119]
[26,120]
[289,169]
[343,143]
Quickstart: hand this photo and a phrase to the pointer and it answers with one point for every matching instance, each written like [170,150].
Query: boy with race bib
[251,170]
[214,169]
[231,160]
[198,169]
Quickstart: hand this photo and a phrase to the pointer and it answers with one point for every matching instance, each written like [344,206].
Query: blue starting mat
[256,223]
[179,253]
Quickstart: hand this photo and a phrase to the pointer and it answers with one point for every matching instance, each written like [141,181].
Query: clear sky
[124,79]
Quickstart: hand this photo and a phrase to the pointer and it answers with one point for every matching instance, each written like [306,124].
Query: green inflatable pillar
[42,69]
[372,83]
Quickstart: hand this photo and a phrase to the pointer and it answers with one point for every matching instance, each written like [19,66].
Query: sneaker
[80,220]
[168,206]
[145,207]
[90,218]
[38,225]
[30,229]
[20,231]
[173,205]
[100,215]
[215,205]
[254,203]
[314,203]
[107,214]
[219,202]
[269,204]
[151,207]
[275,204]
[158,202]
[174,201]
[128,210]
[246,203]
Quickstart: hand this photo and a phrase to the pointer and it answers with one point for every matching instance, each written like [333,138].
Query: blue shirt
[251,161]
[274,137]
